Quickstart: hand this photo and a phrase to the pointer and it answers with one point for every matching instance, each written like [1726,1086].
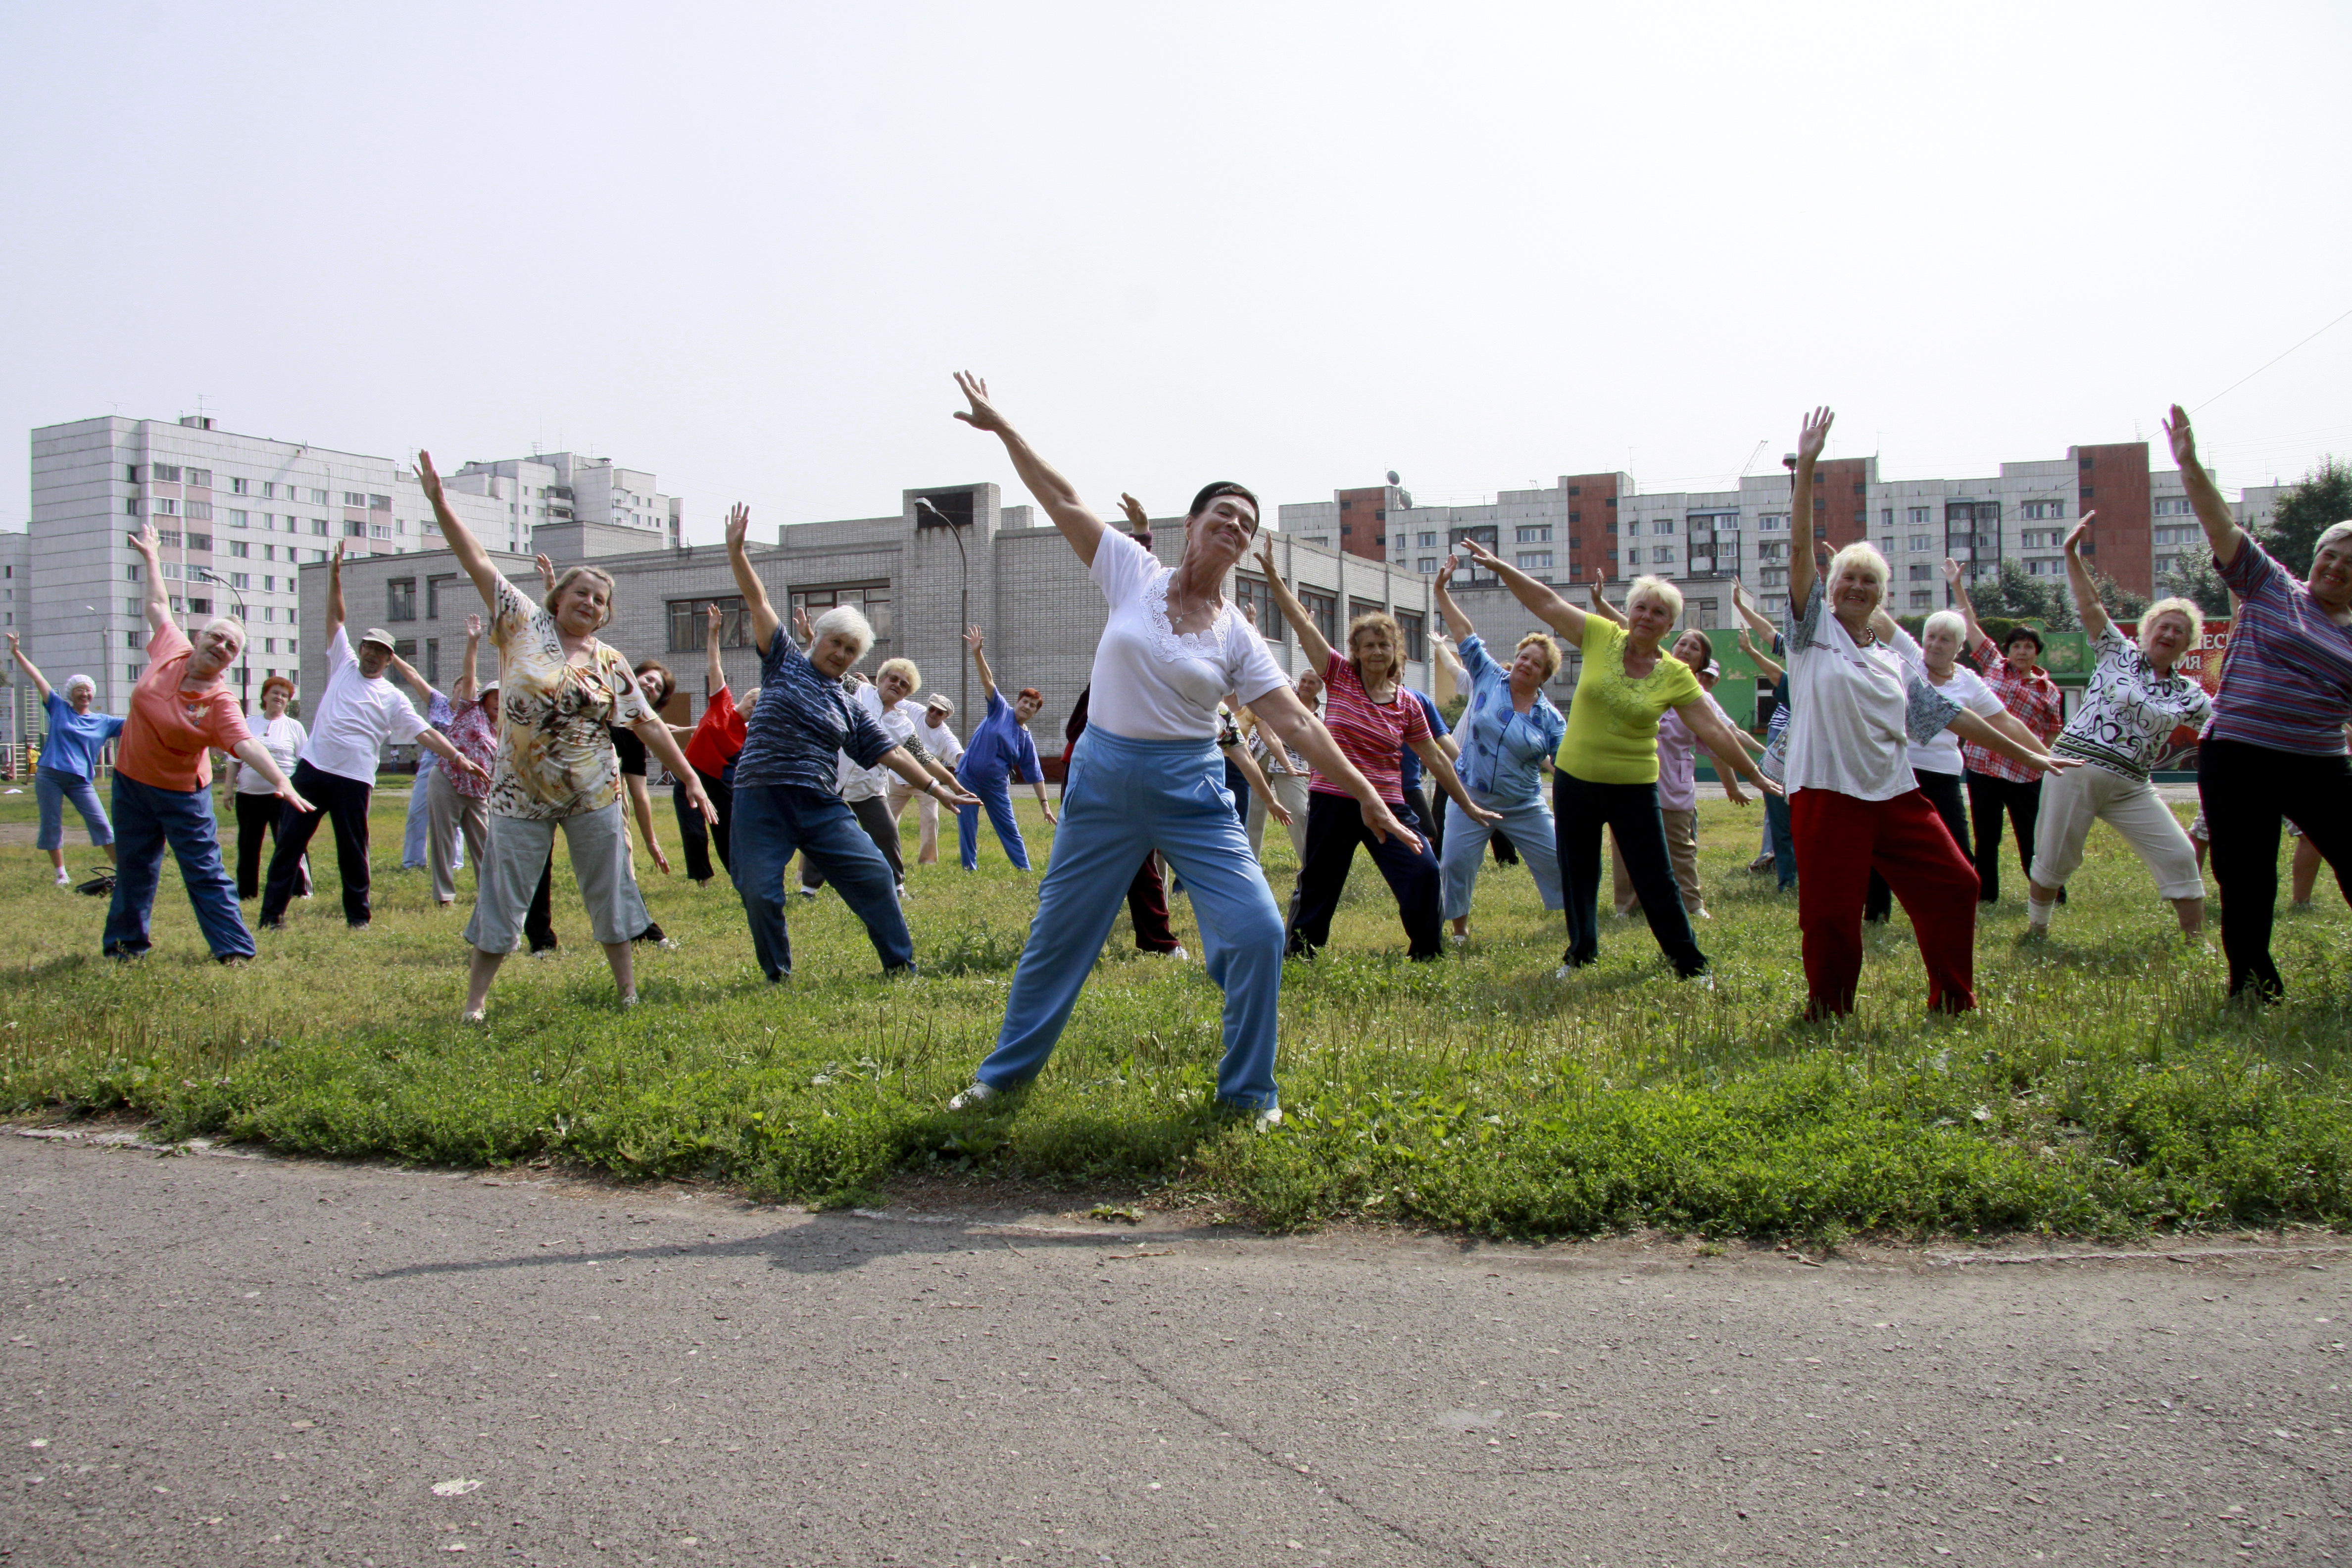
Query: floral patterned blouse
[556,718]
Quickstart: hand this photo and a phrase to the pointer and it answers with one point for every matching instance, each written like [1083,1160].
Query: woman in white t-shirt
[1855,807]
[1147,776]
[2136,698]
[283,736]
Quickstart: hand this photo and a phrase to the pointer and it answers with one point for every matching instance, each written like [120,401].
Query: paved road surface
[224,1359]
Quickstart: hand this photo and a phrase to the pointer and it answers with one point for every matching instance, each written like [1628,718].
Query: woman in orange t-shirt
[181,712]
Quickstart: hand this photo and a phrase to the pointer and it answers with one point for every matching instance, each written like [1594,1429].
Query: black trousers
[1943,792]
[1335,827]
[698,837]
[1580,809]
[345,802]
[873,815]
[2247,790]
[1432,825]
[257,815]
[1988,798]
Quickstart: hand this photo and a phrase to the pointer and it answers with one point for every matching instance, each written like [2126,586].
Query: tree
[2306,511]
[2120,601]
[2195,580]
[2012,594]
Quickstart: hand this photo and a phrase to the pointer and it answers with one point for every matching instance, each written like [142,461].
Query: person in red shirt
[711,752]
[182,710]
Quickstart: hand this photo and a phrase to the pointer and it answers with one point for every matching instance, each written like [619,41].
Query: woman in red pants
[1853,800]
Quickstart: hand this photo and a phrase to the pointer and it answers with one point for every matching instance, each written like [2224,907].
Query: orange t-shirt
[169,734]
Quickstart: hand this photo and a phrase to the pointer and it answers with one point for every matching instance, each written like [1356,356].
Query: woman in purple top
[2274,746]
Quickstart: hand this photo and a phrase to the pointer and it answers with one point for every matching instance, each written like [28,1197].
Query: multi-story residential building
[919,584]
[564,487]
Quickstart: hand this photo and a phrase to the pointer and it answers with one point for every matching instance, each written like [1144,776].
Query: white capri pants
[2072,801]
[506,878]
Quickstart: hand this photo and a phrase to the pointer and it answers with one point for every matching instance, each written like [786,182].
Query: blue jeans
[996,794]
[771,823]
[146,819]
[1529,823]
[1121,800]
[1784,839]
[52,787]
[415,838]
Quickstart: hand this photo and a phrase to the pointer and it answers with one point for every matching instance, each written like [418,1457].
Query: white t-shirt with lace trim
[1149,684]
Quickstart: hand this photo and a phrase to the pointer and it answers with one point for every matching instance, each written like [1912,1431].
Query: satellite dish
[1393,476]
[1404,500]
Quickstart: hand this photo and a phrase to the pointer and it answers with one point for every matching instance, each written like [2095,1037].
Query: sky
[1297,244]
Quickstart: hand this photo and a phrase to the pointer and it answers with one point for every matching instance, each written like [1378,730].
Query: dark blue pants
[1580,809]
[1335,826]
[146,819]
[343,802]
[774,822]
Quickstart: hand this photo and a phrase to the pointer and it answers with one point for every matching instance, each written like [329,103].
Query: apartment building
[557,488]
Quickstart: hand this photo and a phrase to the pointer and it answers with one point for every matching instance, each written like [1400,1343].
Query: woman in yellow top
[1605,774]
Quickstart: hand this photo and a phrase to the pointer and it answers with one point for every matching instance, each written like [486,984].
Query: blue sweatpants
[1122,799]
[52,787]
[1527,822]
[147,821]
[996,794]
[773,821]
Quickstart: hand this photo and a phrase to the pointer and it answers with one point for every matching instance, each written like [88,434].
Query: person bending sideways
[182,710]
[1000,747]
[1147,776]
[69,767]
[1857,703]
[560,691]
[2273,749]
[355,716]
[786,798]
[2136,700]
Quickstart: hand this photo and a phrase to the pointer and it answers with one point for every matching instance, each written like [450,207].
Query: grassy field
[2102,1088]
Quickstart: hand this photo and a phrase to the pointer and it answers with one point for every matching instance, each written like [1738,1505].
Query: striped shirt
[2287,683]
[2033,697]
[803,725]
[1372,735]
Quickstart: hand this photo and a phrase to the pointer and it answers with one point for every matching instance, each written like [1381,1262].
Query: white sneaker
[1704,980]
[1266,1120]
[1565,972]
[65,877]
[628,1002]
[978,1094]
[1457,938]
[1175,954]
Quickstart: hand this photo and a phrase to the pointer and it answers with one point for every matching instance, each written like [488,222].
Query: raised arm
[335,616]
[32,672]
[1957,580]
[714,668]
[1598,590]
[1802,572]
[464,687]
[159,603]
[1078,524]
[1745,603]
[2078,577]
[2222,529]
[462,543]
[1455,621]
[1281,710]
[974,638]
[1310,636]
[407,672]
[1763,661]
[747,582]
[1553,610]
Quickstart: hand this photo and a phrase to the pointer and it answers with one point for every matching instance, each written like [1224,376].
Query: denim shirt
[1502,749]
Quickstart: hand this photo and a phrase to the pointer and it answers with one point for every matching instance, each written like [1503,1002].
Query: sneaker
[666,943]
[65,879]
[1762,863]
[358,925]
[1266,1120]
[1175,954]
[1704,980]
[628,1002]
[473,1018]
[808,892]
[1457,938]
[977,1095]
[1565,972]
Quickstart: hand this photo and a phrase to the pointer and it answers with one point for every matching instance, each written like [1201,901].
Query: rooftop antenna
[1750,463]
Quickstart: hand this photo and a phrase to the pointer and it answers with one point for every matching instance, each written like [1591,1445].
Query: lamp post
[927,515]
[244,654]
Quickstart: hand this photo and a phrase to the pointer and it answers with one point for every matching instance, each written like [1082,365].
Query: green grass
[2102,1088]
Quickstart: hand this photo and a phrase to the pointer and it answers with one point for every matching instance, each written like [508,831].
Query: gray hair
[74,680]
[2334,532]
[847,619]
[1946,621]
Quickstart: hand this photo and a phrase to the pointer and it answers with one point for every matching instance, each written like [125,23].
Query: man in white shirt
[355,715]
[946,750]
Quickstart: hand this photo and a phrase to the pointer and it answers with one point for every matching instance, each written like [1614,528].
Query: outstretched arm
[641,806]
[1439,765]
[463,688]
[1239,755]
[1802,572]
[1722,743]
[1310,636]
[974,638]
[1762,660]
[1745,603]
[747,584]
[335,616]
[253,755]
[661,743]
[1281,710]
[1555,611]
[899,761]
[407,672]
[1455,621]
[2078,577]
[714,668]
[1078,524]
[1597,589]
[2222,529]
[1970,728]
[32,672]
[462,543]
[158,604]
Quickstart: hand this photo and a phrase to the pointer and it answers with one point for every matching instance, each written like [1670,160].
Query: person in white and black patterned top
[2136,700]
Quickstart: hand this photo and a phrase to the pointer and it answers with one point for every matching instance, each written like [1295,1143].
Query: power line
[2257,371]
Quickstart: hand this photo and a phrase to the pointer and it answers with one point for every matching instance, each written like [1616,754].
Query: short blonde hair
[847,618]
[1549,649]
[571,574]
[235,625]
[1861,552]
[904,670]
[2176,605]
[1660,590]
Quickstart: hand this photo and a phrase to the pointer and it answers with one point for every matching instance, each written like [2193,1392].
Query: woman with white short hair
[2136,699]
[68,766]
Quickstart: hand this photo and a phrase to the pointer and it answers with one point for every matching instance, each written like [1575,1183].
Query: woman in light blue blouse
[1508,730]
[68,770]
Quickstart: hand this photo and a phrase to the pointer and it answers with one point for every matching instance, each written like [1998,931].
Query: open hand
[1048,808]
[2183,439]
[801,631]
[1138,518]
[2074,534]
[1445,569]
[957,797]
[336,558]
[144,541]
[1815,436]
[713,618]
[1479,814]
[660,860]
[1384,827]
[698,799]
[466,766]
[982,415]
[1277,810]
[1951,571]
[546,570]
[473,626]
[287,794]
[974,638]
[739,525]
[427,479]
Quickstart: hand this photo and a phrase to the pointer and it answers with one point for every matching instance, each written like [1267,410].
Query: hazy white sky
[743,245]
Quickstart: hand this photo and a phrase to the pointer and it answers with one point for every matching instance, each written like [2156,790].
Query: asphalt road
[215,1359]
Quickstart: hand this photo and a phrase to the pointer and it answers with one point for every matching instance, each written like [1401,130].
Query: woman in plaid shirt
[2013,670]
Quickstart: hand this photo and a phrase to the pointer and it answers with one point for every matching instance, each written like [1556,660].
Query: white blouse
[283,738]
[1854,708]
[1152,684]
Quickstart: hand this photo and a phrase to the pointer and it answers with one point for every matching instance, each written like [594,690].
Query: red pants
[1147,907]
[1840,841]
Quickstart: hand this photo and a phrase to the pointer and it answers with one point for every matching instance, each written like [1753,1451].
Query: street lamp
[244,654]
[928,515]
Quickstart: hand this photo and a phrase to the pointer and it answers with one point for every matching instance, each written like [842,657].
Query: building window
[200,541]
[874,598]
[379,531]
[378,503]
[2177,536]
[1772,522]
[1923,599]
[162,506]
[165,473]
[432,661]
[202,510]
[1539,533]
[1770,549]
[689,624]
[1920,571]
[1662,554]
[2086,492]
[2046,567]
[2042,538]
[1776,603]
[240,580]
[1323,610]
[355,531]
[134,639]
[1532,560]
[318,527]
[2043,508]
[240,487]
[1426,566]
[1409,623]
[317,498]
[1773,576]
[240,519]
[1634,529]
[400,599]
[1920,542]
[1886,518]
[433,587]
[1255,598]
[2174,506]
[1427,539]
